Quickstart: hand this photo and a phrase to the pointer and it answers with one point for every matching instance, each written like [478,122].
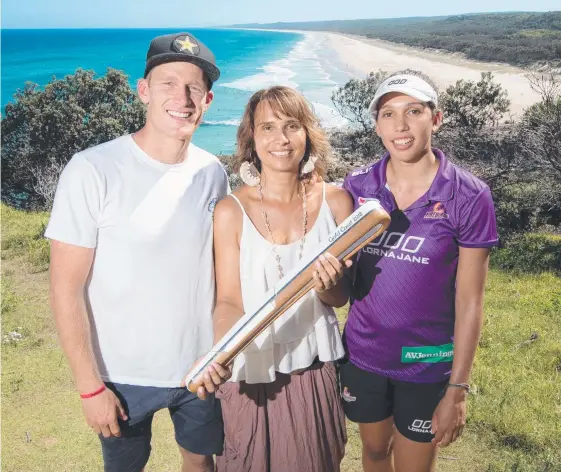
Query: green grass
[22,235]
[514,415]
[514,422]
[522,335]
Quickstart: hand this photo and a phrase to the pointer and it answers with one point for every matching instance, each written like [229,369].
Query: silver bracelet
[465,386]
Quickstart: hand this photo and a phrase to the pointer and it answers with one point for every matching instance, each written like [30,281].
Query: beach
[356,56]
[361,55]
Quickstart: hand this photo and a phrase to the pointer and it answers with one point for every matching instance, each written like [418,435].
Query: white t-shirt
[151,290]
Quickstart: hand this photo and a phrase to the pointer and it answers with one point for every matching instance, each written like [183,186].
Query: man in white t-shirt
[132,278]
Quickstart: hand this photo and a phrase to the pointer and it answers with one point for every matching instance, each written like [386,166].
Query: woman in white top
[281,408]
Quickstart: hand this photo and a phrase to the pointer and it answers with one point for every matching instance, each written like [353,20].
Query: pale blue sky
[180,13]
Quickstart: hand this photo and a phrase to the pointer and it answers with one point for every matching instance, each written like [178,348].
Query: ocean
[248,59]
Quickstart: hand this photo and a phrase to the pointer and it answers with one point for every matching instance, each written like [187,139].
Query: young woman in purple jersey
[417,303]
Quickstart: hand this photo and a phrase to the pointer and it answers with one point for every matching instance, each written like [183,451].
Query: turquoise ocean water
[248,60]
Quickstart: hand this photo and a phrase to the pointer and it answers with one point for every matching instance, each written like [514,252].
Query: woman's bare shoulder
[340,202]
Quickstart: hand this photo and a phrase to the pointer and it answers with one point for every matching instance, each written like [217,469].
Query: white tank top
[307,330]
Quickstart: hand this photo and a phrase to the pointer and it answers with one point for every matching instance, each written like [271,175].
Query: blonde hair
[292,104]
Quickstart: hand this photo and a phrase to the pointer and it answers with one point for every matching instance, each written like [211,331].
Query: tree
[492,154]
[547,84]
[352,100]
[540,127]
[43,128]
[475,104]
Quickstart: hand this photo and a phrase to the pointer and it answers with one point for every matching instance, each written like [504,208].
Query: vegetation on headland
[515,411]
[521,39]
[43,127]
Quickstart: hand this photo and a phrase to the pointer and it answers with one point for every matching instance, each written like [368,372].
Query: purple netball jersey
[401,322]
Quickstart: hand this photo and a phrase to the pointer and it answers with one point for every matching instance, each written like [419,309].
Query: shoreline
[360,55]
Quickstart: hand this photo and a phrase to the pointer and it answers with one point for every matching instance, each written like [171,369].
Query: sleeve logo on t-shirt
[438,212]
[211,204]
[362,171]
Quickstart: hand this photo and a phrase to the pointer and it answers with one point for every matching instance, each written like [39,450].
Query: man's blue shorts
[198,425]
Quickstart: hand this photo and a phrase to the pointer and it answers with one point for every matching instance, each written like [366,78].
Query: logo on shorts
[420,426]
[347,395]
[212,204]
[438,212]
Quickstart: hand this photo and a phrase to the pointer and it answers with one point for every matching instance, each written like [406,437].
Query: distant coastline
[360,55]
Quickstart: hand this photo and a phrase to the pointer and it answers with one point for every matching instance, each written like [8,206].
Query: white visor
[409,85]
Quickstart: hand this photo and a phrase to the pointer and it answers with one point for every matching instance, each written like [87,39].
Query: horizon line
[239,25]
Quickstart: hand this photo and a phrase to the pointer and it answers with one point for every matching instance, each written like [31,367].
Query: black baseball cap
[181,47]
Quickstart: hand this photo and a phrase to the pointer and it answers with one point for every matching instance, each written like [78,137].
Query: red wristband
[93,394]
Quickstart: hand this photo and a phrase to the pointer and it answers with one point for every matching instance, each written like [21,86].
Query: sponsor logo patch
[398,246]
[438,212]
[427,354]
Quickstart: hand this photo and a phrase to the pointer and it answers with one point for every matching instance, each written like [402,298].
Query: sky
[180,13]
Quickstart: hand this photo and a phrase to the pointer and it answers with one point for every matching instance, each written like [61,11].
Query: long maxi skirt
[294,424]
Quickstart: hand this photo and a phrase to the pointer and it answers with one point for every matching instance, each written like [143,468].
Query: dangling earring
[309,166]
[249,174]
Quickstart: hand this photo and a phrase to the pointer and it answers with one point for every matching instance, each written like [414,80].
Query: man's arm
[69,269]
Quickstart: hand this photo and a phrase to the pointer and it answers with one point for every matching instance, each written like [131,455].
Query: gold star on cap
[186,45]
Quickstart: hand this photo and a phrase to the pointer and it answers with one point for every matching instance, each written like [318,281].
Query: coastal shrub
[530,252]
[475,104]
[43,127]
[233,177]
[352,99]
[528,206]
[492,154]
[526,197]
[540,128]
[356,148]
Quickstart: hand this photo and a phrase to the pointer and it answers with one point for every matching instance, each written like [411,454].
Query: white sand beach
[361,56]
[358,55]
